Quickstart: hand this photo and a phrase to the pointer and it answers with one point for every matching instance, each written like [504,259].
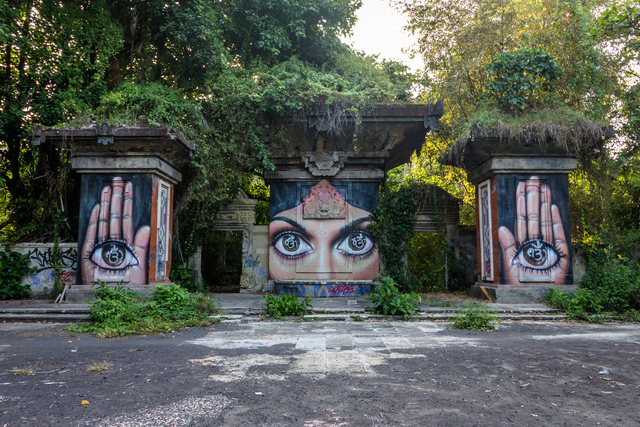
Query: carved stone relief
[324,202]
[324,163]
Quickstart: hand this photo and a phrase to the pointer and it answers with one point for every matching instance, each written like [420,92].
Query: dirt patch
[444,296]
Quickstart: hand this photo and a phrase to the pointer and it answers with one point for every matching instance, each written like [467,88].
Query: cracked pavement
[324,374]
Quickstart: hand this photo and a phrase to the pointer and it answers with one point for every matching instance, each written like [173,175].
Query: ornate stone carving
[324,163]
[324,202]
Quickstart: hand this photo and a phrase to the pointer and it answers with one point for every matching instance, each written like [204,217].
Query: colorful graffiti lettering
[337,290]
[44,275]
[260,272]
[68,277]
[341,290]
[327,291]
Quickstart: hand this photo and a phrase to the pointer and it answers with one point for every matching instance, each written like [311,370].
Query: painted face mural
[534,236]
[115,244]
[324,236]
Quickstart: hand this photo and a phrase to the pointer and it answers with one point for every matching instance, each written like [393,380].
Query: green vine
[58,220]
[392,227]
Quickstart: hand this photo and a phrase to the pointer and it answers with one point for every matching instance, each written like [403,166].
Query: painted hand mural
[538,251]
[322,235]
[111,252]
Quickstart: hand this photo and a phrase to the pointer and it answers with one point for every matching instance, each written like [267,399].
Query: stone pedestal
[127,190]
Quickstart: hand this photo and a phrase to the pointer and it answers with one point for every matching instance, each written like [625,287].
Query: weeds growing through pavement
[477,317]
[99,367]
[28,370]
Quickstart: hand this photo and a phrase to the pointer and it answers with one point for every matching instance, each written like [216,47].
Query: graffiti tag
[336,290]
[251,263]
[44,259]
[260,272]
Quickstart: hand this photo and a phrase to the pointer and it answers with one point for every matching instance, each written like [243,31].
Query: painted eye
[537,255]
[113,256]
[292,245]
[356,243]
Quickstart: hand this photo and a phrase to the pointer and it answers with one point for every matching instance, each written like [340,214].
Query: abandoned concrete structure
[522,212]
[128,178]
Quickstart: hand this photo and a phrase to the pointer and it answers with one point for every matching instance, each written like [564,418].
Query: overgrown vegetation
[284,305]
[14,266]
[226,74]
[611,289]
[476,317]
[424,263]
[119,311]
[388,300]
[594,43]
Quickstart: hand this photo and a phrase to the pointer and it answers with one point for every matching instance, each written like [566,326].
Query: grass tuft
[476,317]
[99,367]
[28,370]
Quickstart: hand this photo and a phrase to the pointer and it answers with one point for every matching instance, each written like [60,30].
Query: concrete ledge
[84,293]
[515,294]
[53,318]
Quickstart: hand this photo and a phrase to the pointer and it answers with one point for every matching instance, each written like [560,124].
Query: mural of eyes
[537,255]
[113,255]
[356,244]
[291,245]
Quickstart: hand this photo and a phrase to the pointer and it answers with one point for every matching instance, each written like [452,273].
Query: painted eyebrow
[293,223]
[348,227]
[354,223]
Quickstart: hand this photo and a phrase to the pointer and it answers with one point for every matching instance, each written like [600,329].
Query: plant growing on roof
[523,77]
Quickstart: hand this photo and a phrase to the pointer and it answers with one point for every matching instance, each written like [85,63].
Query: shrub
[119,311]
[612,286]
[181,275]
[388,300]
[13,267]
[286,305]
[522,77]
[555,298]
[477,317]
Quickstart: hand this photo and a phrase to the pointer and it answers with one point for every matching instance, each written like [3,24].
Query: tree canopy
[224,73]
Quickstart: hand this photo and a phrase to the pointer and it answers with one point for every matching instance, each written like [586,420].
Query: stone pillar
[325,188]
[523,226]
[126,199]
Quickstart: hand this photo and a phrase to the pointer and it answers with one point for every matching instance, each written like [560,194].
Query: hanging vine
[392,227]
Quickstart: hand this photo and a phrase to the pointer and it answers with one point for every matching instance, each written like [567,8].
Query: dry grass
[99,367]
[27,370]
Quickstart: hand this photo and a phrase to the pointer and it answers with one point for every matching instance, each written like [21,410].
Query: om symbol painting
[318,231]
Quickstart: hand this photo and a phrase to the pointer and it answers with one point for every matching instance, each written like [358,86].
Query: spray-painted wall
[318,231]
[42,281]
[114,230]
[534,234]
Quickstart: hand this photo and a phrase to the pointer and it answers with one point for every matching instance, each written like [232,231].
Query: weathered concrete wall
[258,260]
[42,280]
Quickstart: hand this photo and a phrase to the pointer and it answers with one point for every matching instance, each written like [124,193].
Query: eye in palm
[539,246]
[111,252]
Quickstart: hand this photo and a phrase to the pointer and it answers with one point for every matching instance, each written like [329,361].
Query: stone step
[53,309]
[44,317]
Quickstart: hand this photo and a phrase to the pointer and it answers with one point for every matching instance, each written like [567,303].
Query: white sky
[379,31]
